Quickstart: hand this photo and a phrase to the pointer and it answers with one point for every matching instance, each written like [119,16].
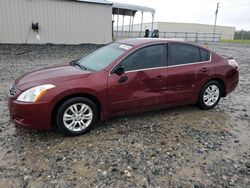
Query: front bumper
[30,115]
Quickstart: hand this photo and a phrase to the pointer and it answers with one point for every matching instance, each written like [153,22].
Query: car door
[142,82]
[182,72]
[204,68]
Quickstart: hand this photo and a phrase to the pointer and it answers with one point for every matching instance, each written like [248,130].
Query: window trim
[184,64]
[153,68]
[134,51]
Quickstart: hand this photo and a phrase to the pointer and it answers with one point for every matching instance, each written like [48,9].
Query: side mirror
[119,71]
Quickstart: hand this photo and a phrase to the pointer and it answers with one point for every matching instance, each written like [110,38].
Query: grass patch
[236,41]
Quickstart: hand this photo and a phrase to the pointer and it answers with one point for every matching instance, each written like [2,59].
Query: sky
[234,13]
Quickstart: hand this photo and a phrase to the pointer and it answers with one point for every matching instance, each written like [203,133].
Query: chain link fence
[186,36]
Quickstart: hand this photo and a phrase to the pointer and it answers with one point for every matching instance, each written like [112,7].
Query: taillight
[233,63]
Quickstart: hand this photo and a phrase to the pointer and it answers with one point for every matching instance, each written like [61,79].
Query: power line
[247,4]
[221,8]
[204,3]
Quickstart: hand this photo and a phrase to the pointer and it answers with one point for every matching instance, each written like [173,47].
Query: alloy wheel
[211,95]
[77,117]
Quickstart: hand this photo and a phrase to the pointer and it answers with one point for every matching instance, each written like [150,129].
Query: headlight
[35,93]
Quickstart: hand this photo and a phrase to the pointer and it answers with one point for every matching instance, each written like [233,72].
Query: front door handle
[159,76]
[123,79]
[204,69]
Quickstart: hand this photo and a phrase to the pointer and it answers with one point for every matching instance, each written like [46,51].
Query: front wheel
[76,116]
[210,95]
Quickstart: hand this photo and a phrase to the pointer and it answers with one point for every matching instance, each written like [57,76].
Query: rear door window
[205,55]
[179,54]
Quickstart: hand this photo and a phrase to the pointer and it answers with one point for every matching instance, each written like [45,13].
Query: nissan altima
[127,76]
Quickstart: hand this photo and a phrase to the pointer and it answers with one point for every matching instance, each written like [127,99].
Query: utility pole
[216,13]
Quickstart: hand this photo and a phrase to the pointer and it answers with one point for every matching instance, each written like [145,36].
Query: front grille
[13,91]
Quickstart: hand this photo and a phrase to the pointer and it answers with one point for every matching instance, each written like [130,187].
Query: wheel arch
[222,84]
[65,98]
[220,81]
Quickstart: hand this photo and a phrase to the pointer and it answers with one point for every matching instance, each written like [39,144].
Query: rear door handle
[204,69]
[159,76]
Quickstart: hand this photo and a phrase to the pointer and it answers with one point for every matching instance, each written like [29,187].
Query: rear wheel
[76,116]
[210,95]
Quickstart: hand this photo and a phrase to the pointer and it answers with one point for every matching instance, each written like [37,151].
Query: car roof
[141,41]
[135,42]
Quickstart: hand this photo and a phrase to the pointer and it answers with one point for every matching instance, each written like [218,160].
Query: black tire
[201,101]
[65,106]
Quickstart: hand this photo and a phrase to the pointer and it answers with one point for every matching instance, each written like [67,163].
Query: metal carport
[130,10]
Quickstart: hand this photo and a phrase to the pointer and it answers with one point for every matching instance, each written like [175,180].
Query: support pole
[152,25]
[130,22]
[123,25]
[141,24]
[215,21]
[113,35]
[132,27]
[117,24]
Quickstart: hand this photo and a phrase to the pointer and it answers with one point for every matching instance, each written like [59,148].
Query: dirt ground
[180,147]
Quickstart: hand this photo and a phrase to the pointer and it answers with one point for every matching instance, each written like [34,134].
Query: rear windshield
[104,56]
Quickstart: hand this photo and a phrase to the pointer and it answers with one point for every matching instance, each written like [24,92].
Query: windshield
[102,57]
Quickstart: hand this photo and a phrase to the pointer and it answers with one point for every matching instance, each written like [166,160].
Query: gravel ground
[180,147]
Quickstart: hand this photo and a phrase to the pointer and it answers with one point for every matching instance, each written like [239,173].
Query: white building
[59,21]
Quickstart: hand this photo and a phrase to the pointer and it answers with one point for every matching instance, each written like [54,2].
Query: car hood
[50,75]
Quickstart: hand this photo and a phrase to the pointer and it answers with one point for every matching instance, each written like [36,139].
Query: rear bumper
[30,115]
[232,81]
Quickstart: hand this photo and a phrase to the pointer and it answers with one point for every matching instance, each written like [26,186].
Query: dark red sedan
[123,77]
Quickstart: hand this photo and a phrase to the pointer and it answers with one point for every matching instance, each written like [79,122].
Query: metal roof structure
[125,9]
[95,1]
